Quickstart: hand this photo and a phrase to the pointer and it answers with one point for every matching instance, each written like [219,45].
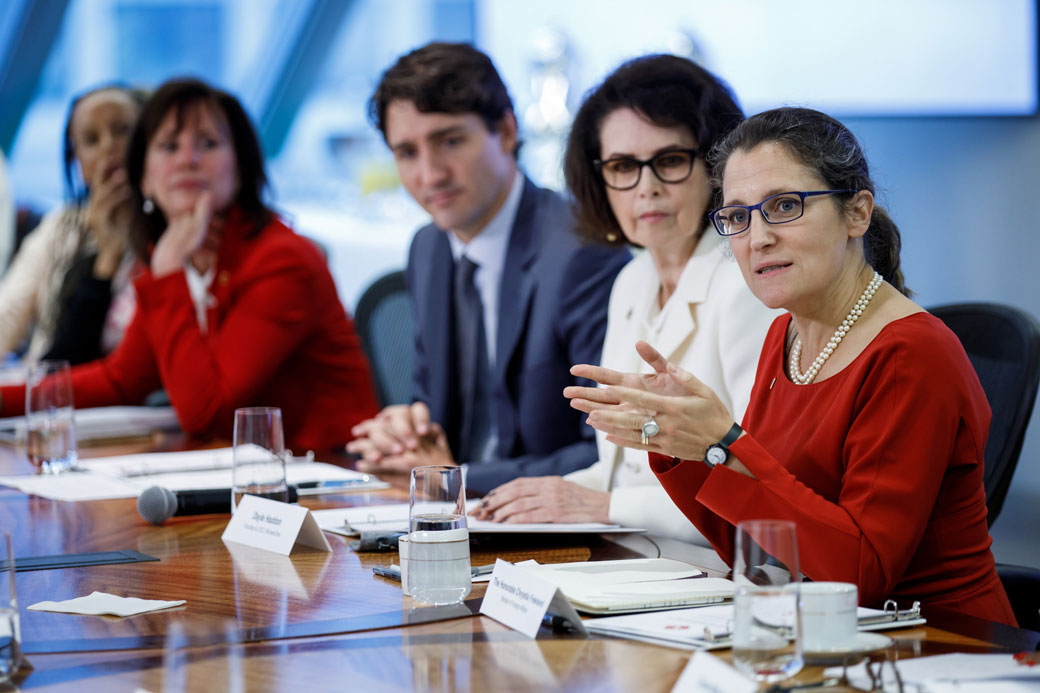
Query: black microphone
[158,504]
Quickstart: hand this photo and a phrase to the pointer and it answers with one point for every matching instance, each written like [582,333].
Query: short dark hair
[667,90]
[78,193]
[181,95]
[443,78]
[831,151]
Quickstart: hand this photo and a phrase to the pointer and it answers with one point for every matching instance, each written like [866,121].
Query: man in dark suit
[505,297]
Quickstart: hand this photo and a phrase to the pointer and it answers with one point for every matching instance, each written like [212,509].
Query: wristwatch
[719,452]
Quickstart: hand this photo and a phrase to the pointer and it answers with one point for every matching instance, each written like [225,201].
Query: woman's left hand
[544,499]
[688,422]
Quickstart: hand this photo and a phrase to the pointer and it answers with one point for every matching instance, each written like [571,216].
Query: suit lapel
[435,303]
[517,283]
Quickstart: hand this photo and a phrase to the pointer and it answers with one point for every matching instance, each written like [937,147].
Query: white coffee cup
[829,622]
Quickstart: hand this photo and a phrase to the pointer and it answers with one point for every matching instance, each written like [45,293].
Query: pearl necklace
[839,334]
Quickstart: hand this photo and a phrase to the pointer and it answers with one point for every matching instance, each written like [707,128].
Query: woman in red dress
[867,423]
[235,309]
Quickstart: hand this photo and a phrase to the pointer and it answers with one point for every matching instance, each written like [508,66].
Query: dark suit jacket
[552,313]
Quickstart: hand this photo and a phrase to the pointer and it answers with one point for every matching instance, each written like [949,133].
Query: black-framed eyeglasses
[775,209]
[624,172]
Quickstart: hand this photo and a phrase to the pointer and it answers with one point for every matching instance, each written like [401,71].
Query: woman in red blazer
[235,309]
[867,423]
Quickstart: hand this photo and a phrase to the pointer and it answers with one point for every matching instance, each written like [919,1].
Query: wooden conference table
[319,621]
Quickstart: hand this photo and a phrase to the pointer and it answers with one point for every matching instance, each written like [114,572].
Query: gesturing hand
[689,414]
[188,236]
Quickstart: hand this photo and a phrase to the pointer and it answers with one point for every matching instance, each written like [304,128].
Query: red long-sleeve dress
[277,336]
[880,466]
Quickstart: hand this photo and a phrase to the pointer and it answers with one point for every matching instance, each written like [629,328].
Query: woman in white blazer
[635,164]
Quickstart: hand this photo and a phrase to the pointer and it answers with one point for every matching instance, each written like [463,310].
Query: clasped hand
[398,438]
[689,413]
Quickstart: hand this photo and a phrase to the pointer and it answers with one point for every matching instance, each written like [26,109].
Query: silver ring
[649,430]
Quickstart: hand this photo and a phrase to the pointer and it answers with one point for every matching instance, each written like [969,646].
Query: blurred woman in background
[234,309]
[41,295]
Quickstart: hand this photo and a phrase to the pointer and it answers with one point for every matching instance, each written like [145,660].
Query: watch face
[716,455]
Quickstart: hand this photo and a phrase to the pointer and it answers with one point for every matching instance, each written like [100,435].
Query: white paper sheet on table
[394,517]
[98,423]
[100,603]
[965,673]
[126,476]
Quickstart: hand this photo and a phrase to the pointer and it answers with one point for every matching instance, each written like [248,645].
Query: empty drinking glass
[438,558]
[50,436]
[10,633]
[258,455]
[767,632]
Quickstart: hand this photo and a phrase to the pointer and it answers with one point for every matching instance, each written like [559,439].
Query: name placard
[707,673]
[272,526]
[520,600]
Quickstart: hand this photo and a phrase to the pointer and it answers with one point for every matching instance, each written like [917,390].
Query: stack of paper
[394,518]
[126,476]
[106,422]
[964,673]
[705,628]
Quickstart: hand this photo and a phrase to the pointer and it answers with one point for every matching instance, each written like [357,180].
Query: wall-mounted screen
[884,57]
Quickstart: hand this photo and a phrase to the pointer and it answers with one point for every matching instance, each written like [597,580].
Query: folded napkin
[100,603]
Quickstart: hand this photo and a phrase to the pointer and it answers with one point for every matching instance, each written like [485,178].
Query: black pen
[559,624]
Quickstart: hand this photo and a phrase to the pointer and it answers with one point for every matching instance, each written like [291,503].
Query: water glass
[202,657]
[767,629]
[438,558]
[50,436]
[10,633]
[258,455]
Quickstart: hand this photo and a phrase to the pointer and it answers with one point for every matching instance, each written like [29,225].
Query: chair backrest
[385,324]
[1003,344]
[1023,590]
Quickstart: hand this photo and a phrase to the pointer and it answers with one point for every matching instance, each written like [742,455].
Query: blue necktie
[471,364]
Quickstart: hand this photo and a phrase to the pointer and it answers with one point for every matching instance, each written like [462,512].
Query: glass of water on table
[767,627]
[50,435]
[438,561]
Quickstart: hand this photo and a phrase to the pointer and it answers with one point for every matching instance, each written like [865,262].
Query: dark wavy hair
[669,92]
[443,78]
[75,189]
[828,148]
[180,96]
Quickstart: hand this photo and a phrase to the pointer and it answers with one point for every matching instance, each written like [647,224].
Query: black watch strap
[731,436]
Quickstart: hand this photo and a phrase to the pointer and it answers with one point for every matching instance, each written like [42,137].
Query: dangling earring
[148,205]
[611,236]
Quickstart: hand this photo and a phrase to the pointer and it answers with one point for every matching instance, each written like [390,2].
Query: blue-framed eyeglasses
[775,209]
[624,172]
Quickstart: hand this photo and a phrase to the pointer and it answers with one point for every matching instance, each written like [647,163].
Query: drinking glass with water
[258,455]
[50,436]
[438,560]
[767,629]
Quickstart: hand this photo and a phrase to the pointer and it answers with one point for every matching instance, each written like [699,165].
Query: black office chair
[1023,590]
[1003,344]
[386,326]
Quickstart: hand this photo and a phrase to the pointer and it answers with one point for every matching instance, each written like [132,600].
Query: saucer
[865,644]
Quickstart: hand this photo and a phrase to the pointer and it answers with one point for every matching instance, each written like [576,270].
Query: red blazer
[278,336]
[880,466]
